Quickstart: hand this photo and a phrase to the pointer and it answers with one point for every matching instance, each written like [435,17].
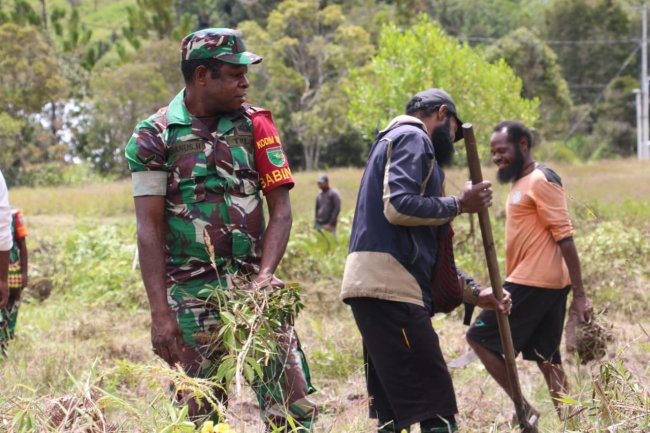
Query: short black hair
[514,131]
[189,66]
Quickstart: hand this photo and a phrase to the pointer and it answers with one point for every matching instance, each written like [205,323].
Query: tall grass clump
[127,398]
[614,263]
[615,401]
[97,267]
[316,256]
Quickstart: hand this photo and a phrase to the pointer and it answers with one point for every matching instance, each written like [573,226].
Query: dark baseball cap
[435,97]
[223,44]
[322,178]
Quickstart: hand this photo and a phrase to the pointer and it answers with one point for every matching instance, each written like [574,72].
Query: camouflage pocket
[188,173]
[247,179]
[248,183]
[191,190]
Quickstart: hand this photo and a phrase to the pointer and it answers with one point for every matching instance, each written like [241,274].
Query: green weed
[617,401]
[96,267]
[614,265]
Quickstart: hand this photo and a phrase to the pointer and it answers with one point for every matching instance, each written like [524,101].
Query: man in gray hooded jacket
[392,253]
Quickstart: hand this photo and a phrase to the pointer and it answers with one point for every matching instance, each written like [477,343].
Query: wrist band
[457,203]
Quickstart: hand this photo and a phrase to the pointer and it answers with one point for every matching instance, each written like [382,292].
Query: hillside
[102,16]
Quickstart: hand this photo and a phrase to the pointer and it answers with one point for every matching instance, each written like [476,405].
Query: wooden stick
[476,176]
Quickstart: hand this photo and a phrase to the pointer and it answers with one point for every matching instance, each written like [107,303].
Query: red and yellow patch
[270,160]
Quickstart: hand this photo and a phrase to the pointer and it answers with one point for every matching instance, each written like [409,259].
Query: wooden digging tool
[527,425]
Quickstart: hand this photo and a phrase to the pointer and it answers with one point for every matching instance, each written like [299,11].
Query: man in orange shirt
[542,265]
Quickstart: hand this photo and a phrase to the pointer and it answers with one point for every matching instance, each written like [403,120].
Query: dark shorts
[406,374]
[536,323]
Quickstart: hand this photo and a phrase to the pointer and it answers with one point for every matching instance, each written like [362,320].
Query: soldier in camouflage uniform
[199,168]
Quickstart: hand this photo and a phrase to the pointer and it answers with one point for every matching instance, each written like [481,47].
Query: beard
[510,173]
[443,143]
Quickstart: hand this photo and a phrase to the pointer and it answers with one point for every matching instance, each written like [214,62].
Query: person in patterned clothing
[200,169]
[18,274]
[5,242]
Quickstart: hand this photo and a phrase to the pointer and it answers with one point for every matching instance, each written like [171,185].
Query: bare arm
[24,260]
[5,242]
[277,233]
[4,275]
[166,336]
[580,304]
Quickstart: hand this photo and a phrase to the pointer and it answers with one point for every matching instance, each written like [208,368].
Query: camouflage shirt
[212,183]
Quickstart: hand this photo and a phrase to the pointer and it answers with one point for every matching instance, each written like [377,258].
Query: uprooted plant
[252,325]
[255,338]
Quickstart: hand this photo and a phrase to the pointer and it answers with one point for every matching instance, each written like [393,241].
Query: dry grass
[59,338]
[103,199]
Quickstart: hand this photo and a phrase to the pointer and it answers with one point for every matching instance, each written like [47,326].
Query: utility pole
[643,151]
[639,123]
[644,85]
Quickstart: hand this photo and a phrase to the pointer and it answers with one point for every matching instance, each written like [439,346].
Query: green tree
[74,39]
[424,56]
[225,13]
[30,76]
[307,50]
[121,97]
[615,124]
[78,54]
[590,66]
[154,19]
[493,19]
[536,64]
[22,13]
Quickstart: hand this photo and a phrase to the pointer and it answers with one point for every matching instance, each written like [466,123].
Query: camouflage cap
[222,44]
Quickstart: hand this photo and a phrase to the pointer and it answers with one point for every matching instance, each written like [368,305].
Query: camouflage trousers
[8,318]
[283,391]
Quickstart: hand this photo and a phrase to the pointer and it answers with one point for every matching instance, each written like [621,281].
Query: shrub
[614,259]
[316,256]
[97,267]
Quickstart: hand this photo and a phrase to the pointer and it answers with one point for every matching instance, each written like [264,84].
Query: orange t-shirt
[537,218]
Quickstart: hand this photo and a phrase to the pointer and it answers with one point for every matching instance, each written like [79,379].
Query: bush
[617,401]
[57,174]
[559,151]
[314,256]
[614,259]
[97,267]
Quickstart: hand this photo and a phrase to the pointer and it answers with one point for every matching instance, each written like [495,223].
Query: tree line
[333,72]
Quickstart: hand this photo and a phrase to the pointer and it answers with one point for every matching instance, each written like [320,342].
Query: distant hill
[103,16]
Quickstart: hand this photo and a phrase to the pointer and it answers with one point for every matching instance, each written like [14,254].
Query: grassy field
[89,339]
